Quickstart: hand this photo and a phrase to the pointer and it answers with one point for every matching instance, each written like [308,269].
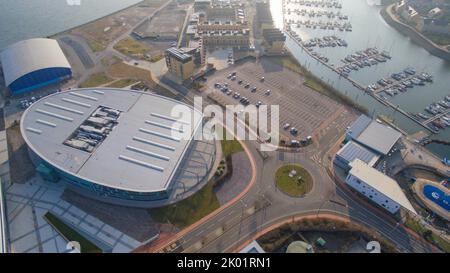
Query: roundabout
[293,180]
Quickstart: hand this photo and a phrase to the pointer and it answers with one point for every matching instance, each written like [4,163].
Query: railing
[3,238]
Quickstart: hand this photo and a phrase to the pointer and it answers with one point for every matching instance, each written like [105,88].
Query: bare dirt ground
[101,32]
[167,23]
[166,26]
[122,70]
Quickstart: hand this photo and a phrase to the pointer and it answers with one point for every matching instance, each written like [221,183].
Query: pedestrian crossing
[316,158]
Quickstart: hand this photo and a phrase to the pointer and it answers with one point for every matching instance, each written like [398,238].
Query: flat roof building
[179,63]
[34,63]
[274,40]
[373,135]
[377,187]
[122,145]
[239,38]
[351,151]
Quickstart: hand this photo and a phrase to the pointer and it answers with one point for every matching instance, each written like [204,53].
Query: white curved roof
[30,55]
[139,154]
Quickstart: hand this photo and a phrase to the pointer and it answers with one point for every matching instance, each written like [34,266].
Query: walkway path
[237,182]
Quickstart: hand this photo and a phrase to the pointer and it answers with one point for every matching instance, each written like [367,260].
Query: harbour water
[370,30]
[24,19]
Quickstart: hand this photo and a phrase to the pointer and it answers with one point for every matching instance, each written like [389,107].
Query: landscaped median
[293,180]
[70,234]
[427,234]
[189,210]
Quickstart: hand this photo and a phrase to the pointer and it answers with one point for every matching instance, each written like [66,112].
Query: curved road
[263,206]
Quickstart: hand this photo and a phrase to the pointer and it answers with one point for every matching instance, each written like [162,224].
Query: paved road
[91,62]
[264,206]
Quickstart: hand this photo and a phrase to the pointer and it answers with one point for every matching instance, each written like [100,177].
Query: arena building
[34,63]
[119,146]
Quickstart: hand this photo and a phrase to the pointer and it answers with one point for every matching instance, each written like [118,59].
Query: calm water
[370,30]
[23,19]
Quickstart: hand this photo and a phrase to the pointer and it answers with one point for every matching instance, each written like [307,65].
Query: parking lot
[302,108]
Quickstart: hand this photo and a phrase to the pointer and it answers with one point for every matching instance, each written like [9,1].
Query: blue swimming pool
[437,196]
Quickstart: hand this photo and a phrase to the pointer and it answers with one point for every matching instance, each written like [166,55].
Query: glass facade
[100,190]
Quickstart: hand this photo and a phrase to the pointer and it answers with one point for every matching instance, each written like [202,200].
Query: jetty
[425,124]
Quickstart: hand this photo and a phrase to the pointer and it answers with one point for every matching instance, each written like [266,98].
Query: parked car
[295,143]
[294,131]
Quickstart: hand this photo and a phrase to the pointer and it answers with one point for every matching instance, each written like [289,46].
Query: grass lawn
[123,70]
[189,210]
[71,235]
[314,85]
[333,94]
[432,237]
[122,83]
[108,61]
[230,147]
[291,64]
[96,80]
[95,46]
[156,58]
[291,185]
[131,47]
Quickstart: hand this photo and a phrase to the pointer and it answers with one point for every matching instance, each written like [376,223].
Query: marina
[440,114]
[322,25]
[318,14]
[325,41]
[400,82]
[362,59]
[316,3]
[324,60]
[397,81]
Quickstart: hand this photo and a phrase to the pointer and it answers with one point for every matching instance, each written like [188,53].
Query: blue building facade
[34,63]
[40,78]
[79,184]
